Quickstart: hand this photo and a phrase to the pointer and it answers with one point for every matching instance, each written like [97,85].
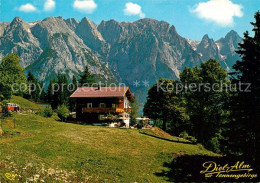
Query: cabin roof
[95,92]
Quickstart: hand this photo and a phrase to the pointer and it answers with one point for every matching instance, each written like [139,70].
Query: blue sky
[192,18]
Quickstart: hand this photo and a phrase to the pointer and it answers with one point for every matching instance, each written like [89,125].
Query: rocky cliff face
[17,38]
[72,23]
[144,50]
[2,27]
[223,50]
[51,46]
[227,47]
[208,49]
[87,31]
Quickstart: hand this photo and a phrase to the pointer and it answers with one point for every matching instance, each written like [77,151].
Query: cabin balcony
[102,110]
[128,110]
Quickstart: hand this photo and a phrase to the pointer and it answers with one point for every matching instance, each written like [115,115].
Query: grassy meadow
[45,149]
[25,104]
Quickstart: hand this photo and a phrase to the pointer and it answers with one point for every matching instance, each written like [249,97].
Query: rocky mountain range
[141,51]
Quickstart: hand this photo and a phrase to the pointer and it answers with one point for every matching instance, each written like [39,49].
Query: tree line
[14,81]
[226,119]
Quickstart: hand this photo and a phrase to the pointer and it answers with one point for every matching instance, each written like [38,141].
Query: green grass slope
[38,145]
[26,104]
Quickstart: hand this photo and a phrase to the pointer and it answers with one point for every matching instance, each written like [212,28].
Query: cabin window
[101,117]
[89,105]
[114,105]
[102,105]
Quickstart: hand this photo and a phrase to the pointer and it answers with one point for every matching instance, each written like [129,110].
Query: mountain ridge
[144,50]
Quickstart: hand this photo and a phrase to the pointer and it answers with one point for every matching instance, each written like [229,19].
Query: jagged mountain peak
[233,37]
[228,45]
[206,41]
[142,50]
[88,32]
[232,33]
[86,22]
[86,19]
[148,23]
[19,29]
[18,20]
[205,38]
[51,18]
[112,31]
[17,38]
[208,49]
[109,22]
[72,20]
[72,23]
[50,26]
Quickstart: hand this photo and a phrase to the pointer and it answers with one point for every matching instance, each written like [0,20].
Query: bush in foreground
[63,112]
[5,111]
[186,136]
[48,112]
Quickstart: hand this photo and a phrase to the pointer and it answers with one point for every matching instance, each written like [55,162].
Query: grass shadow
[166,139]
[187,168]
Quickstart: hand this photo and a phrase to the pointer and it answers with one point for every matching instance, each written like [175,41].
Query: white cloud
[49,5]
[27,8]
[221,12]
[85,6]
[132,9]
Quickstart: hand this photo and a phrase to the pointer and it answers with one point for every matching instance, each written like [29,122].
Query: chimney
[99,85]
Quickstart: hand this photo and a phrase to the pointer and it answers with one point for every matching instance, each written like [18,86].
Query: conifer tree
[243,129]
[62,93]
[86,78]
[35,86]
[72,101]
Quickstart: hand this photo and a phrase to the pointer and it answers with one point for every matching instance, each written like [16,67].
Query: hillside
[84,153]
[25,104]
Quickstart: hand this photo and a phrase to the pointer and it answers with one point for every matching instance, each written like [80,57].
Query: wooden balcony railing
[101,110]
[128,110]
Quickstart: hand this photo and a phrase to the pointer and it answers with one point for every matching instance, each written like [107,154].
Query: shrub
[5,92]
[63,112]
[40,113]
[186,136]
[140,124]
[70,118]
[48,112]
[183,134]
[214,145]
[111,118]
[5,111]
[192,139]
[158,123]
